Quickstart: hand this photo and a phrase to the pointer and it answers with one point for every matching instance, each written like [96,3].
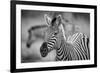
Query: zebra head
[34,33]
[53,34]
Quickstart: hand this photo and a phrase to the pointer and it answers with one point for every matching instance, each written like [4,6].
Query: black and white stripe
[51,42]
[77,48]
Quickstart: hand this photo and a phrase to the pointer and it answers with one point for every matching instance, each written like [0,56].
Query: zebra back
[75,48]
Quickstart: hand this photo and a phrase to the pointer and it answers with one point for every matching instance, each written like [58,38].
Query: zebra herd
[75,47]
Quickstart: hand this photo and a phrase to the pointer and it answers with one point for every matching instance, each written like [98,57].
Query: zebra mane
[63,31]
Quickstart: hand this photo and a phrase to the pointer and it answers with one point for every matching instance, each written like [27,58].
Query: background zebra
[76,47]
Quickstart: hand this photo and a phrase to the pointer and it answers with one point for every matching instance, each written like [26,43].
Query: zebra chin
[44,50]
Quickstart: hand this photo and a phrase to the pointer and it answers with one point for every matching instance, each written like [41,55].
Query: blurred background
[33,26]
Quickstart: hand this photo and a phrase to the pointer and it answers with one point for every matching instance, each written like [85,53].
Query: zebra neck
[62,51]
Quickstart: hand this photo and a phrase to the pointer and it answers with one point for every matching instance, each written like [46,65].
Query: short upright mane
[52,22]
[63,31]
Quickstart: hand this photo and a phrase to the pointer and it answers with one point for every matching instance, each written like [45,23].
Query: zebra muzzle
[44,50]
[29,43]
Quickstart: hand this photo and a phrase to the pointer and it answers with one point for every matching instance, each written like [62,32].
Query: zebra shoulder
[75,37]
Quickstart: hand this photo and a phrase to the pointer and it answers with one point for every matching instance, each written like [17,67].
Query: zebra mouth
[44,50]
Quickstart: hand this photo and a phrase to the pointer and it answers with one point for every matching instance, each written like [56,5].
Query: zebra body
[75,47]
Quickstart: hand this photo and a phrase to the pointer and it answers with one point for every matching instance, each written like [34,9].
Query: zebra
[32,33]
[75,47]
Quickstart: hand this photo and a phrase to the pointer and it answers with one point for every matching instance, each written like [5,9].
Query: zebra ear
[47,19]
[58,21]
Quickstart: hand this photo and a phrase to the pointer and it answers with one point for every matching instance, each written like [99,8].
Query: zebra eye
[55,33]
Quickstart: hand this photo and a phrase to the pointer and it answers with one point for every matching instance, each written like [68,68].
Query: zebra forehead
[53,21]
[51,30]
